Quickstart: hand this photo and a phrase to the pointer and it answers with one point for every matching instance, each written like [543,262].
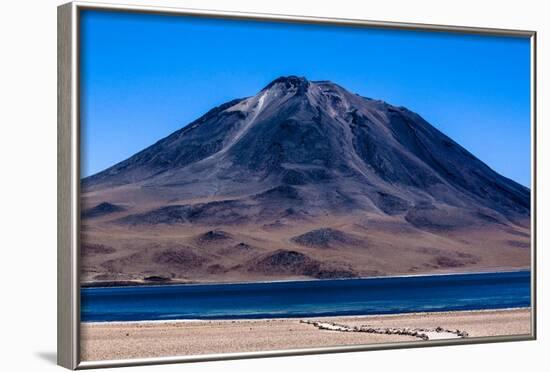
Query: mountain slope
[305,156]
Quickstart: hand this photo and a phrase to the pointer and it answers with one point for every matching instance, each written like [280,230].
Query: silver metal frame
[68,166]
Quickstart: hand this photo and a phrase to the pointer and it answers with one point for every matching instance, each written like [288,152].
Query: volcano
[302,180]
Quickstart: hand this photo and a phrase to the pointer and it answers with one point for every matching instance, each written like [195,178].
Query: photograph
[254,185]
[275,186]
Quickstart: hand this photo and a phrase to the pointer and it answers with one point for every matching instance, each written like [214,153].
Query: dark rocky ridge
[102,209]
[326,238]
[286,262]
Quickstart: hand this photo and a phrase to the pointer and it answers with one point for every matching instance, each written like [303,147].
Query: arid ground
[127,340]
[324,248]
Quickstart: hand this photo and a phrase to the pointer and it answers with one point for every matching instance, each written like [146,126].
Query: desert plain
[130,340]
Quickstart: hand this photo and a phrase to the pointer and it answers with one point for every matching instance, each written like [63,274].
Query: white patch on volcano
[253,104]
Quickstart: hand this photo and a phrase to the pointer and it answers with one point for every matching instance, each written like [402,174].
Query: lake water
[308,298]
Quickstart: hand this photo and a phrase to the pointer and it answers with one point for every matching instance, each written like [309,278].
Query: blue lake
[308,298]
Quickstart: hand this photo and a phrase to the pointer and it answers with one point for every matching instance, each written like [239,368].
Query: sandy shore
[127,340]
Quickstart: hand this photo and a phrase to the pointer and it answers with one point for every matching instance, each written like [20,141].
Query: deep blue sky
[145,76]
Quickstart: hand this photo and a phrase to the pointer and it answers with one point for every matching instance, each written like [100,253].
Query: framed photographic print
[237,185]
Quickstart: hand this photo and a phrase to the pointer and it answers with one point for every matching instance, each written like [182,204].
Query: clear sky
[145,76]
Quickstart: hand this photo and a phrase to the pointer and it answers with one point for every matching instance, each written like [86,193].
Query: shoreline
[147,339]
[322,317]
[129,283]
